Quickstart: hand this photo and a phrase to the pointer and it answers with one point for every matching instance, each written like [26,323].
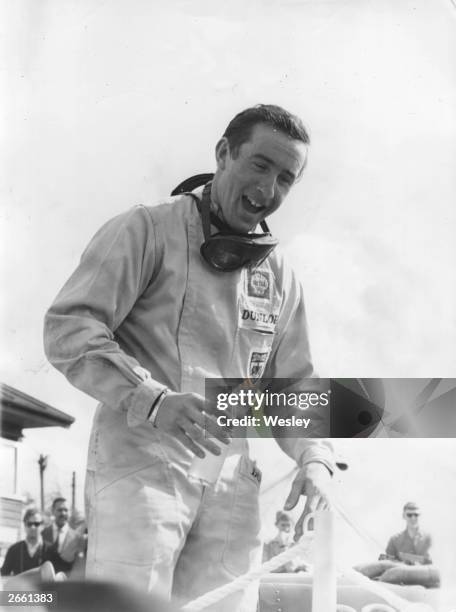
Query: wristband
[152,416]
[325,463]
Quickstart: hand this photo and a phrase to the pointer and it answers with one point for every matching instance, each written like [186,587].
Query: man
[281,542]
[27,553]
[146,317]
[63,543]
[407,559]
[412,545]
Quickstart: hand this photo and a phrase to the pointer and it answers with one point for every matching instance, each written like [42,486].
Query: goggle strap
[207,217]
[206,211]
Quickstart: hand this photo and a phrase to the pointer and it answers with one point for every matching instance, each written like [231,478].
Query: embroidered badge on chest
[259,301]
[257,364]
[259,284]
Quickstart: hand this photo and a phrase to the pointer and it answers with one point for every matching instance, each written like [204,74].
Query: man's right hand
[183,416]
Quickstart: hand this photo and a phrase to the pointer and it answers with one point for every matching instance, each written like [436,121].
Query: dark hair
[57,500]
[240,128]
[29,513]
[410,506]
[282,516]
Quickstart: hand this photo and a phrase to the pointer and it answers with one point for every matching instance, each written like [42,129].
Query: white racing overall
[141,312]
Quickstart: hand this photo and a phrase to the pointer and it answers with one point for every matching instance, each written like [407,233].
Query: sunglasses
[35,524]
[410,514]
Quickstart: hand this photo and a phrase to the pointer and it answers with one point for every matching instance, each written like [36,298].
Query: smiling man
[165,297]
[254,177]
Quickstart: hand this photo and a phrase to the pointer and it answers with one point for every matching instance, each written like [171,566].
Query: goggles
[225,251]
[230,252]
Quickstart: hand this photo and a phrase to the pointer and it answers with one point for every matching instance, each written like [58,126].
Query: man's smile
[251,205]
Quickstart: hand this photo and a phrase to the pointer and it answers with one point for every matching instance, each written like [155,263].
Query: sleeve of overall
[79,331]
[291,359]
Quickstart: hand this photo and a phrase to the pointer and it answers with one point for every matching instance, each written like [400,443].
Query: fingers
[182,415]
[322,504]
[298,528]
[188,440]
[313,504]
[188,443]
[196,434]
[209,425]
[295,492]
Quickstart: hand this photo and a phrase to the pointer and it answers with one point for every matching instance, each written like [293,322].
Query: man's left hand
[314,482]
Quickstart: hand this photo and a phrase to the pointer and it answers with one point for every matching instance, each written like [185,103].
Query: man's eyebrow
[271,161]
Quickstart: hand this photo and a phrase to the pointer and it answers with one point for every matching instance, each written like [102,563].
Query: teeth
[253,203]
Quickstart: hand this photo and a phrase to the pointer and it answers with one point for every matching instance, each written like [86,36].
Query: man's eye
[286,180]
[260,166]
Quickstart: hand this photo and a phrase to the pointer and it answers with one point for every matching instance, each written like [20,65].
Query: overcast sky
[111,104]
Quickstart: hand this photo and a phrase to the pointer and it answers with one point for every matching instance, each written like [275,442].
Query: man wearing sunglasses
[407,559]
[28,553]
[164,298]
[412,545]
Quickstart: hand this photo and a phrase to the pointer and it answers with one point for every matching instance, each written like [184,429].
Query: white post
[324,590]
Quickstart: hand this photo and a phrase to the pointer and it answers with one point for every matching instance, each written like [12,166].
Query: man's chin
[246,227]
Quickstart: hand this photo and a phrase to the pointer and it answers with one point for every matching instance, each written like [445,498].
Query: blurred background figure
[412,545]
[407,559]
[281,542]
[64,545]
[28,553]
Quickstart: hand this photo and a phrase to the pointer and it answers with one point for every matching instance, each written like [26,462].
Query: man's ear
[222,153]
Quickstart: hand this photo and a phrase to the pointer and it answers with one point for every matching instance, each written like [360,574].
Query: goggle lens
[228,254]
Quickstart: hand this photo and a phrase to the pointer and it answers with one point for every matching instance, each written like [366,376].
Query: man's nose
[267,186]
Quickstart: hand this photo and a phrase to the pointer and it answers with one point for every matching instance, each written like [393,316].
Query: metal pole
[42,462]
[73,493]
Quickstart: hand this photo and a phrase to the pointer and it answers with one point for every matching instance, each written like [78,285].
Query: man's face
[33,527]
[284,525]
[254,183]
[61,513]
[412,517]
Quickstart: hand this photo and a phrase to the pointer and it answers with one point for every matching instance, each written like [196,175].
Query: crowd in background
[62,542]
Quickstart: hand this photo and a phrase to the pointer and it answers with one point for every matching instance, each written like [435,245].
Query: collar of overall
[227,251]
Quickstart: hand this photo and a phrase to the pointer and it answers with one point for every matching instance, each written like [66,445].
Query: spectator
[27,553]
[281,541]
[412,545]
[407,559]
[63,544]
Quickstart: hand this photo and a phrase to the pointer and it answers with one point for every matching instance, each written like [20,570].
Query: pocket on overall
[243,544]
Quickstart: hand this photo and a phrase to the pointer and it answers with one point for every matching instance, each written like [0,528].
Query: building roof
[21,411]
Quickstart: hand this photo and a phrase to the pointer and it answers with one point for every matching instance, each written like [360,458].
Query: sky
[112,104]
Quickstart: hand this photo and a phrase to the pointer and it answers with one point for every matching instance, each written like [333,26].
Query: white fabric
[143,312]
